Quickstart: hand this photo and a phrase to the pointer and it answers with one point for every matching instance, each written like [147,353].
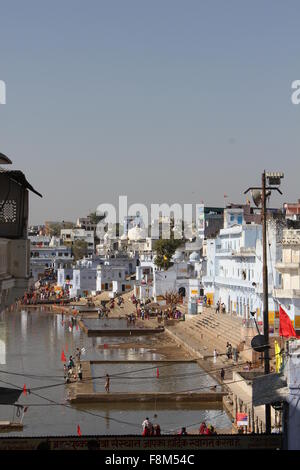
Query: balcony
[284,267]
[287,293]
[235,282]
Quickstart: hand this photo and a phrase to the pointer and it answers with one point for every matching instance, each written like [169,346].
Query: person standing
[107,383]
[145,426]
[183,432]
[222,373]
[215,356]
[80,372]
[202,428]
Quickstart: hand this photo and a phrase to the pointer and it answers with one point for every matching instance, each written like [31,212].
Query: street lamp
[260,195]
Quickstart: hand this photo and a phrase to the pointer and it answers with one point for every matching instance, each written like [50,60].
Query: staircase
[209,331]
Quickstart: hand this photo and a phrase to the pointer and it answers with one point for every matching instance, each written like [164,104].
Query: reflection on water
[31,343]
[143,377]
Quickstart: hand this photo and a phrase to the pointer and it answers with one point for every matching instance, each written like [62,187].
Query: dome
[136,233]
[194,256]
[178,255]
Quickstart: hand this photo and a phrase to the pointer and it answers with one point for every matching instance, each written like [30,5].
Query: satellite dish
[258,343]
[4,160]
[256,196]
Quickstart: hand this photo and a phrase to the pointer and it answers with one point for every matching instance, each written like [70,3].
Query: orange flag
[63,357]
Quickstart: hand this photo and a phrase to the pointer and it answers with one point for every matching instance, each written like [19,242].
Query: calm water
[31,343]
[142,377]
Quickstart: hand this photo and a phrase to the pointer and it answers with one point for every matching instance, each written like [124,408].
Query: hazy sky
[160,100]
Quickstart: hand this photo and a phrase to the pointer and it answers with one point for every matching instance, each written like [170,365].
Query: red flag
[157,373]
[105,345]
[63,357]
[24,389]
[286,328]
[78,430]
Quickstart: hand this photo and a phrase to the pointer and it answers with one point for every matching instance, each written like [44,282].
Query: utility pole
[265,294]
[260,199]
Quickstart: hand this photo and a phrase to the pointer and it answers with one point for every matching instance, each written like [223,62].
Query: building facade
[14,246]
[288,292]
[234,269]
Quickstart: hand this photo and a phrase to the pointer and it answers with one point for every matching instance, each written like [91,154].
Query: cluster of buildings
[221,262]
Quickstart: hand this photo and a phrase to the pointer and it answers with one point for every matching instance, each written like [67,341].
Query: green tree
[55,227]
[94,218]
[165,249]
[79,249]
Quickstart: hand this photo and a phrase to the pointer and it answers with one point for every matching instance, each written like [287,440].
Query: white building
[45,253]
[184,277]
[234,269]
[288,293]
[71,235]
[96,274]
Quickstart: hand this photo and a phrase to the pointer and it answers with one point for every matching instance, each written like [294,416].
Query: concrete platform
[6,426]
[213,397]
[134,331]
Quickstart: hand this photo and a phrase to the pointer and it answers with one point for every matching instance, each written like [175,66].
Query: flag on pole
[78,430]
[286,328]
[63,357]
[24,389]
[278,356]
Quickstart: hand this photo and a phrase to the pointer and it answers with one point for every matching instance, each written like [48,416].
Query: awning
[19,177]
[8,396]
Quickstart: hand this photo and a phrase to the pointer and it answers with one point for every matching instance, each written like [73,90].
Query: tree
[79,249]
[55,227]
[94,218]
[173,298]
[165,249]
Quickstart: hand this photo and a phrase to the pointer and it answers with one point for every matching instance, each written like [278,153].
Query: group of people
[207,430]
[220,307]
[150,429]
[143,310]
[72,371]
[40,293]
[102,313]
[232,353]
[131,318]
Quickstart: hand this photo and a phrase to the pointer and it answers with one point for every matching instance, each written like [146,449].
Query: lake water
[31,343]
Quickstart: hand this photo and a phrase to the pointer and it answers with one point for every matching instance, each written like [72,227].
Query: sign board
[242,419]
[133,442]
